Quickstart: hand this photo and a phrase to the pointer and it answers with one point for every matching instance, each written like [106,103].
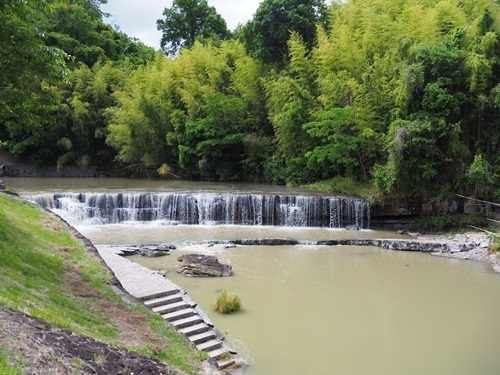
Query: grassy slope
[47,273]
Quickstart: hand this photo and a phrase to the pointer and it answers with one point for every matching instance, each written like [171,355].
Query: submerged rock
[196,265]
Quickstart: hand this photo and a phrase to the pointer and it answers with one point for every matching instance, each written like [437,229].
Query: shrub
[494,247]
[227,302]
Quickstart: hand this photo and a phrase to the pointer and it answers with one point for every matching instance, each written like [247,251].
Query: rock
[126,251]
[150,251]
[166,246]
[153,251]
[2,185]
[196,265]
[266,242]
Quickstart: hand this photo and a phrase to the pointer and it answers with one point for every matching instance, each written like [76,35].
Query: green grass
[8,362]
[227,302]
[37,256]
[346,185]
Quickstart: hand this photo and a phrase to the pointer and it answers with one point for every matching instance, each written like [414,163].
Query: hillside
[60,312]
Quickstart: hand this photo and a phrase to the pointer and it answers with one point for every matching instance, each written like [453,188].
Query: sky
[137,18]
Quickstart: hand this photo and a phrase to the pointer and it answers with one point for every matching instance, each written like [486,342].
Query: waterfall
[208,209]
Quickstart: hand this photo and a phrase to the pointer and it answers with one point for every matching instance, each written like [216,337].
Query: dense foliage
[60,65]
[404,94]
[188,20]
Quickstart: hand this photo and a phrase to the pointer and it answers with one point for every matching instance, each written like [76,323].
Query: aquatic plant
[227,302]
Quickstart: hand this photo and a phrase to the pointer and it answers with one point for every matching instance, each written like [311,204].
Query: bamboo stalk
[478,200]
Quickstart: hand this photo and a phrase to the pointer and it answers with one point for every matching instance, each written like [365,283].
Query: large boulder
[196,265]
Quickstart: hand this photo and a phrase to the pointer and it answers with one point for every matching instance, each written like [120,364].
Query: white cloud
[137,18]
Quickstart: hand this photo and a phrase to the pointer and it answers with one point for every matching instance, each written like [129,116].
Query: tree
[480,178]
[88,94]
[30,70]
[338,143]
[267,34]
[188,20]
[78,29]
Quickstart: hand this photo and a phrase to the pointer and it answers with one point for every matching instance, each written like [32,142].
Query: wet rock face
[196,265]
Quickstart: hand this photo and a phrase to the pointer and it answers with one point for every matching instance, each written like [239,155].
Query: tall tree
[267,34]
[188,20]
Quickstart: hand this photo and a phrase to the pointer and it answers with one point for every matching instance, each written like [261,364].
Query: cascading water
[209,209]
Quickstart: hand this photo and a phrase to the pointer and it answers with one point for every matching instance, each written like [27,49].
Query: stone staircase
[183,313]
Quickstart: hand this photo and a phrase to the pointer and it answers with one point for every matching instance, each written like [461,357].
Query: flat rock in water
[196,265]
[150,251]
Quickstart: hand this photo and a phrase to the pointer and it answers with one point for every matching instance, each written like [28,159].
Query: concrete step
[163,300]
[216,353]
[209,345]
[187,322]
[194,329]
[180,314]
[163,293]
[176,306]
[223,364]
[202,337]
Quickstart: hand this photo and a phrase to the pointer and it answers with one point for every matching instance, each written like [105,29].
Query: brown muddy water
[352,310]
[324,310]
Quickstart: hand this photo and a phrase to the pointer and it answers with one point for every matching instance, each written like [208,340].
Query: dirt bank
[46,349]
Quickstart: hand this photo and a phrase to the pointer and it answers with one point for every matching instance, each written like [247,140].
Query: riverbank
[58,287]
[479,253]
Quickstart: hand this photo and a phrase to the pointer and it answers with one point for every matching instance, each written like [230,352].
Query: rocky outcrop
[397,212]
[196,265]
[150,251]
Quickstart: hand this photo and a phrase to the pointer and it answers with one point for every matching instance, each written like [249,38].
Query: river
[317,309]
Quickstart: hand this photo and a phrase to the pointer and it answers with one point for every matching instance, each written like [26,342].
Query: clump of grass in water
[227,302]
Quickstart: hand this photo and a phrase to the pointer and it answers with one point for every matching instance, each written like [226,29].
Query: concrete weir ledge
[429,246]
